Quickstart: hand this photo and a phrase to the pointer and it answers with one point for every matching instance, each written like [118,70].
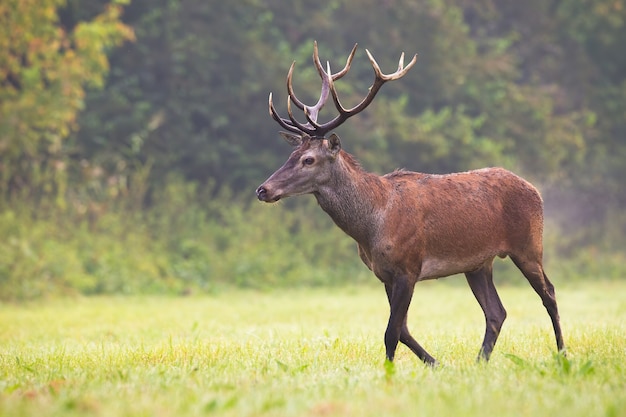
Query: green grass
[311,353]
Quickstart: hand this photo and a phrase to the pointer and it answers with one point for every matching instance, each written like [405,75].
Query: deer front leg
[411,343]
[399,293]
[404,335]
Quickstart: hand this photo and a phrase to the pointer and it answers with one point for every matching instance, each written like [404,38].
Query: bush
[183,243]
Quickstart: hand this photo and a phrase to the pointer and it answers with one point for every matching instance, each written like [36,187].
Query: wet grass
[311,353]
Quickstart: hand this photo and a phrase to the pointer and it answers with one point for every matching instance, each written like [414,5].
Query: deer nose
[261,193]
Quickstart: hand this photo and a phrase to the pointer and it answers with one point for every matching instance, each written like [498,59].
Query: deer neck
[353,198]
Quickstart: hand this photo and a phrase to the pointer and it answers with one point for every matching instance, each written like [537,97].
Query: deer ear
[334,144]
[291,138]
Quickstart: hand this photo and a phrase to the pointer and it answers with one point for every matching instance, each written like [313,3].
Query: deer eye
[308,161]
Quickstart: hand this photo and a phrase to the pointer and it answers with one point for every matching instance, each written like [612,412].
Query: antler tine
[284,123]
[290,87]
[338,75]
[401,62]
[311,116]
[312,112]
[300,126]
[333,92]
[394,76]
[379,80]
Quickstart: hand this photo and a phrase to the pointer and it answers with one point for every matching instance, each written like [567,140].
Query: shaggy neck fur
[353,198]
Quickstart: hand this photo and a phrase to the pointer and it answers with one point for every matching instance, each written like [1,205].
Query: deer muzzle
[263,194]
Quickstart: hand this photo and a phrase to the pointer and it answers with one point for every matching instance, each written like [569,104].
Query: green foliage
[42,258]
[486,90]
[178,246]
[561,366]
[128,166]
[44,70]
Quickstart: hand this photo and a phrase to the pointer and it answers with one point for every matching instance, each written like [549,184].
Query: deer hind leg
[399,295]
[534,273]
[481,283]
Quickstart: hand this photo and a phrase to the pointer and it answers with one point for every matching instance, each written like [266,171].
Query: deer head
[309,166]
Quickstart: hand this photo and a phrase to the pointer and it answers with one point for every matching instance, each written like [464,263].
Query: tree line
[105,104]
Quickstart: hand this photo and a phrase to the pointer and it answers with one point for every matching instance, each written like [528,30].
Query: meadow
[311,352]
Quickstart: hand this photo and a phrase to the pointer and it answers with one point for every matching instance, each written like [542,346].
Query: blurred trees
[45,67]
[568,52]
[91,125]
[522,85]
[537,87]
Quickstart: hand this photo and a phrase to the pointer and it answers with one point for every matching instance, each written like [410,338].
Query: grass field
[311,353]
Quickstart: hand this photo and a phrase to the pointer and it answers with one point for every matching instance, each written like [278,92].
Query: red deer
[411,226]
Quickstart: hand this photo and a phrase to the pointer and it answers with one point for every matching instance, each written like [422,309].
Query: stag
[411,226]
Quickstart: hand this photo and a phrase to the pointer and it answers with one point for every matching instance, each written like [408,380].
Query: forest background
[133,134]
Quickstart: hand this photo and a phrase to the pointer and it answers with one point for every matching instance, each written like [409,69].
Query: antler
[311,112]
